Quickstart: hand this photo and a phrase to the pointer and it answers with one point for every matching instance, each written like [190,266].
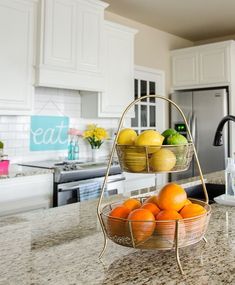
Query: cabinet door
[59,20]
[214,65]
[16,56]
[119,71]
[185,69]
[90,31]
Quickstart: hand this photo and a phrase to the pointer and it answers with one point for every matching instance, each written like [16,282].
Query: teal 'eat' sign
[49,133]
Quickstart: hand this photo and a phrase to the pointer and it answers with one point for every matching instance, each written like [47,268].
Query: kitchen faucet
[218,140]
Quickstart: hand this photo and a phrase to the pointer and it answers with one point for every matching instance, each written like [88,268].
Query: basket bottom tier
[162,235]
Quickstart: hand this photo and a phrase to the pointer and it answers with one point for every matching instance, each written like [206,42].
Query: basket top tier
[155,159]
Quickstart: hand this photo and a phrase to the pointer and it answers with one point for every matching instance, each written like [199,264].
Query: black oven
[70,192]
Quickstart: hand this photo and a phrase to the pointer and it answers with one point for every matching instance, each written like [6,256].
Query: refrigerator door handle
[193,127]
[195,131]
[196,135]
[189,120]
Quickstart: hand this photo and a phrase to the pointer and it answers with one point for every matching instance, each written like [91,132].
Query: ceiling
[190,19]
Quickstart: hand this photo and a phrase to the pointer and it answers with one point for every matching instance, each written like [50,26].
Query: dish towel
[89,190]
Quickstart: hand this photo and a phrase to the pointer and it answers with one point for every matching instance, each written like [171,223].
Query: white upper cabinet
[119,75]
[214,65]
[60,37]
[185,69]
[17,33]
[91,38]
[71,51]
[201,66]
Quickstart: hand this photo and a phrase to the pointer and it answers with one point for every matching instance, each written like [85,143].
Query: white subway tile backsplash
[16,127]
[22,136]
[22,119]
[11,153]
[8,136]
[15,130]
[27,127]
[4,128]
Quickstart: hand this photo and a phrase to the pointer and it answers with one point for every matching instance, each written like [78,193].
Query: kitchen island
[60,246]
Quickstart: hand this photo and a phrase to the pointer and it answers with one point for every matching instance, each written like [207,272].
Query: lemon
[163,160]
[150,138]
[135,161]
[127,137]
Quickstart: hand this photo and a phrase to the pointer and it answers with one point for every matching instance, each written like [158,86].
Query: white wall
[15,130]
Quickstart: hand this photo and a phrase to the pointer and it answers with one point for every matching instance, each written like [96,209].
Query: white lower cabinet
[17,33]
[135,181]
[119,75]
[24,194]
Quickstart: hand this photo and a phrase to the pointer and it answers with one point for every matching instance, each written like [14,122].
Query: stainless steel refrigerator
[203,109]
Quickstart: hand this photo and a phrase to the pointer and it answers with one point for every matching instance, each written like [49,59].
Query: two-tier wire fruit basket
[159,234]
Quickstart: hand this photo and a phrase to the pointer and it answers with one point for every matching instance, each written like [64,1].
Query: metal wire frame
[110,162]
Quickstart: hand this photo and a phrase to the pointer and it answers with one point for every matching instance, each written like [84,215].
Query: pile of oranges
[155,216]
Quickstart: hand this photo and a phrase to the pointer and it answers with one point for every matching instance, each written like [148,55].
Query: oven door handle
[116,180]
[76,187]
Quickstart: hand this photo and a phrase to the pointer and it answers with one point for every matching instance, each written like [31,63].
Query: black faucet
[218,140]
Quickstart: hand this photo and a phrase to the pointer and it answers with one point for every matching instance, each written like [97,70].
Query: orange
[197,223]
[153,208]
[127,137]
[166,228]
[192,210]
[116,222]
[151,199]
[132,204]
[142,224]
[168,215]
[172,197]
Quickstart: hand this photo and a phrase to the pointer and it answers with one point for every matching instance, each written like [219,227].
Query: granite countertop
[60,246]
[16,170]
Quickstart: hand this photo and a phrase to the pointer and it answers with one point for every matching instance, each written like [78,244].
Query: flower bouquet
[95,136]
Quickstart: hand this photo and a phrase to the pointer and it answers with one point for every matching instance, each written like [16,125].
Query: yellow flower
[95,135]
[87,134]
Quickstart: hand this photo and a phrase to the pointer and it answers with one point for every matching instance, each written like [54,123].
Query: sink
[213,190]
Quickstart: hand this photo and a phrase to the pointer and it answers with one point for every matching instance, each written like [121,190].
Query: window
[149,113]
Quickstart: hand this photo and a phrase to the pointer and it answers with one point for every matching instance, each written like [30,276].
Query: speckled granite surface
[66,241]
[16,170]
